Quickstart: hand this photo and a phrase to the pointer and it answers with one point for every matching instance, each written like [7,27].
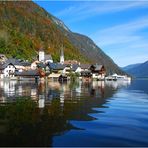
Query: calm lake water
[74,113]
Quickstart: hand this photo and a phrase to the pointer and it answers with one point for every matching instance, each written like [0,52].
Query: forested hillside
[26,27]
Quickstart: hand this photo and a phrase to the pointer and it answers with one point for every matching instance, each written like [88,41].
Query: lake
[74,113]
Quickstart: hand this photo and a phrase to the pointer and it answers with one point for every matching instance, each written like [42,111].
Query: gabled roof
[3,66]
[86,73]
[18,62]
[13,61]
[56,66]
[42,65]
[24,63]
[28,73]
[70,62]
[74,67]
[85,66]
[97,67]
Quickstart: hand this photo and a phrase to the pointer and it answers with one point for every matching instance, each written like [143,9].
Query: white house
[7,70]
[46,58]
[76,68]
[19,64]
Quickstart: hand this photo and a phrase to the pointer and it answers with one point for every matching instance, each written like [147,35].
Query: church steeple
[41,55]
[62,56]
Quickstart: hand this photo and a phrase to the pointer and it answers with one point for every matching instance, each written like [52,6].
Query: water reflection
[140,85]
[118,84]
[45,92]
[23,124]
[48,110]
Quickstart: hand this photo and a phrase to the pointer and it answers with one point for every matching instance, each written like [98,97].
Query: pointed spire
[62,53]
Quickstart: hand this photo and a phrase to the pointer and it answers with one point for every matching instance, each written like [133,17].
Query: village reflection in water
[46,91]
[48,111]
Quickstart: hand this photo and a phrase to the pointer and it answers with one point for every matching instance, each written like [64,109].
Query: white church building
[45,58]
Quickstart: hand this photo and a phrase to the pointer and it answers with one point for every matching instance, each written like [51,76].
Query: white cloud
[127,54]
[125,43]
[124,33]
[83,10]
[130,59]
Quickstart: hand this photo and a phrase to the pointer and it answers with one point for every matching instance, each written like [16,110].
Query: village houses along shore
[45,67]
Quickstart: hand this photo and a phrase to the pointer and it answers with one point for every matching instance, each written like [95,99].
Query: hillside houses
[19,64]
[85,71]
[45,67]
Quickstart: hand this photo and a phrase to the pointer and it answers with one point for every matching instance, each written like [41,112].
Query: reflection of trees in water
[25,125]
[78,109]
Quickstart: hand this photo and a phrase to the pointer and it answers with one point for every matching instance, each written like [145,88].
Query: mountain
[137,70]
[126,68]
[26,27]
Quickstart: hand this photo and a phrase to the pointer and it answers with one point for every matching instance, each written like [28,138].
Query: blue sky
[119,28]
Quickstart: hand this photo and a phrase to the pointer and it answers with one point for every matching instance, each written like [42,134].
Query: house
[41,65]
[64,69]
[67,69]
[69,62]
[25,64]
[7,70]
[44,57]
[86,74]
[76,68]
[48,58]
[20,64]
[71,68]
[84,67]
[44,67]
[98,71]
[34,65]
[56,67]
[56,70]
[28,73]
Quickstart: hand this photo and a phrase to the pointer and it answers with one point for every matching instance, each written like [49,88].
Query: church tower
[62,56]
[41,55]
